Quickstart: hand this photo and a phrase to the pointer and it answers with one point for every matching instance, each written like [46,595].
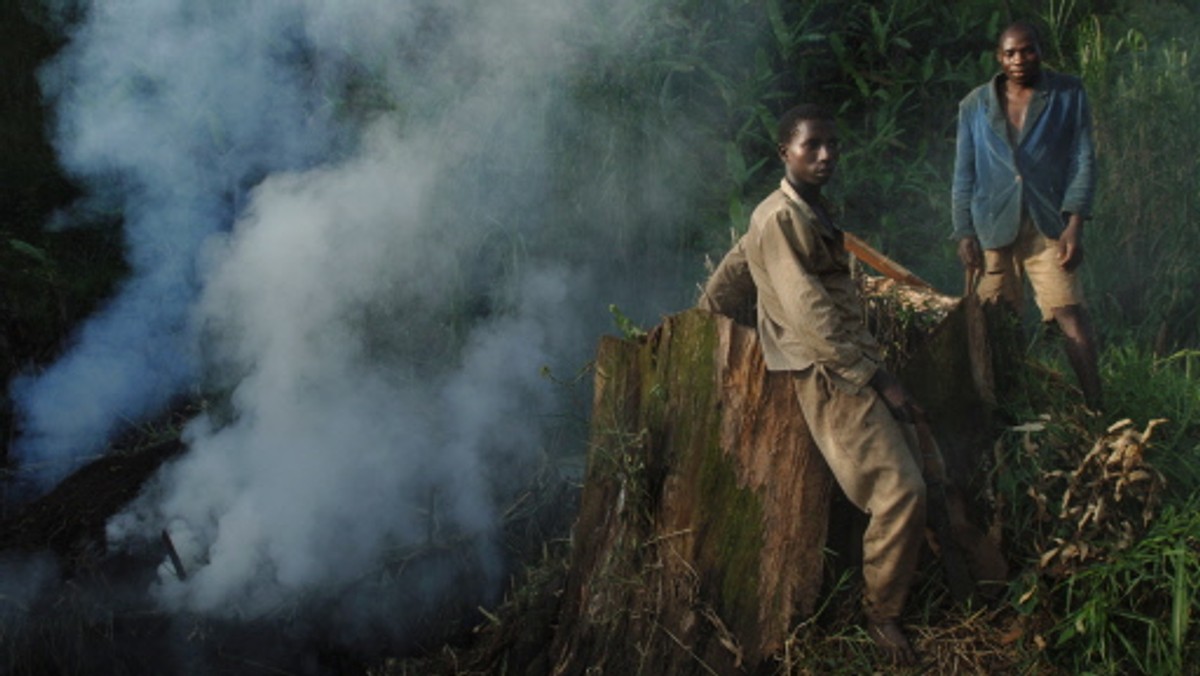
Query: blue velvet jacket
[1050,171]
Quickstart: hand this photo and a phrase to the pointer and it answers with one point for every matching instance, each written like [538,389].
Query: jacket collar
[1037,105]
[827,230]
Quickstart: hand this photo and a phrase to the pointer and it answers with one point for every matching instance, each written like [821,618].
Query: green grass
[1130,609]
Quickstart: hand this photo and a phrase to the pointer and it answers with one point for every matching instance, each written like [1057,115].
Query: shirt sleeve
[1081,170]
[730,290]
[811,312]
[964,176]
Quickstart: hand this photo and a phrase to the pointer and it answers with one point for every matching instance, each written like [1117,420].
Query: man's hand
[1070,244]
[902,405]
[969,253]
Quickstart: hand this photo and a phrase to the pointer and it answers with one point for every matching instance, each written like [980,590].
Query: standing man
[810,323]
[1024,179]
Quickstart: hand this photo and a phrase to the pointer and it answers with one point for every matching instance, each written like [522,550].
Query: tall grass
[1141,69]
[1130,609]
[1134,612]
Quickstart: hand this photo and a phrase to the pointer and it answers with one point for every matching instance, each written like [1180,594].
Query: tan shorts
[1035,256]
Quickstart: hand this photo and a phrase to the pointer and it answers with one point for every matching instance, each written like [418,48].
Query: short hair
[1023,28]
[790,120]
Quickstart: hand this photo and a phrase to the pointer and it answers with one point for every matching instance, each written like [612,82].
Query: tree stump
[706,505]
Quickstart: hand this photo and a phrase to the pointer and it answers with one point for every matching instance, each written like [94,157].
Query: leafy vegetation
[1147,190]
[49,280]
[1123,598]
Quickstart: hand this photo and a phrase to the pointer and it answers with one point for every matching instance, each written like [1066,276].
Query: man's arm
[809,310]
[902,404]
[730,290]
[964,188]
[970,253]
[1081,165]
[1081,185]
[1070,243]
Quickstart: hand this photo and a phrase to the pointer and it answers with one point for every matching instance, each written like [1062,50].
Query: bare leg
[1080,346]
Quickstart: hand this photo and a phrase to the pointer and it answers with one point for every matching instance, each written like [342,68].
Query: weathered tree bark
[706,506]
[704,511]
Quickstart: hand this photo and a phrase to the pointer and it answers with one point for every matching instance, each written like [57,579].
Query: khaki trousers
[874,459]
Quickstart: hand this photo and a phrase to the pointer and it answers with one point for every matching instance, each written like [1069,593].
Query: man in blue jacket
[1024,181]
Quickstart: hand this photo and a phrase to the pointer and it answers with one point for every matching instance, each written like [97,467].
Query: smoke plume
[351,226]
[169,113]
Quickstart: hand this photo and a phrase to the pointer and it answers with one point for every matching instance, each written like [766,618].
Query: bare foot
[892,643]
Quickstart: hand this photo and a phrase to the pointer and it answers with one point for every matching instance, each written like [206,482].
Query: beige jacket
[809,311]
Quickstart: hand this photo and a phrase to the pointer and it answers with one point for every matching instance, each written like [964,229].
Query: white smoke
[376,294]
[171,110]
[337,446]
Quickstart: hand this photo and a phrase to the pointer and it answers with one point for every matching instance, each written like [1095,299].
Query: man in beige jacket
[809,319]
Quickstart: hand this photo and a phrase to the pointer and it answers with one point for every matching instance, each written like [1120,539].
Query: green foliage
[895,72]
[29,250]
[1131,609]
[1133,613]
[1142,387]
[28,172]
[628,328]
[48,280]
[1140,69]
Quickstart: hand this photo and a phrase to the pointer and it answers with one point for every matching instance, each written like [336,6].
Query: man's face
[811,156]
[1020,57]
